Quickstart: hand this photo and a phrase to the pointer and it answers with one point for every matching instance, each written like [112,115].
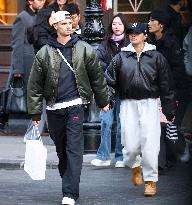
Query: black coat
[142,77]
[41,28]
[22,51]
[168,46]
[108,49]
[176,24]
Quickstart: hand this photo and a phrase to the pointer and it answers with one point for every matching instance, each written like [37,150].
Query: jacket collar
[147,49]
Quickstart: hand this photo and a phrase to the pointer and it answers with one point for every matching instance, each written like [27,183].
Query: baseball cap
[59,16]
[138,27]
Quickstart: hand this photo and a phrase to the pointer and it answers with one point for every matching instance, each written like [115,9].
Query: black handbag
[16,100]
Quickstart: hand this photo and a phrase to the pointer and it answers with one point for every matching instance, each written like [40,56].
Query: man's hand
[36,122]
[106,108]
[171,120]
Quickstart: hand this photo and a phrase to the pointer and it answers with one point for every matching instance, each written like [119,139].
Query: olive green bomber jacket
[44,76]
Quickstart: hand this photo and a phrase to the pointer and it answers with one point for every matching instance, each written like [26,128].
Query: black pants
[66,130]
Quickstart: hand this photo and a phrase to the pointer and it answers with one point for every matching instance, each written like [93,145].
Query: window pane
[8,11]
[130,5]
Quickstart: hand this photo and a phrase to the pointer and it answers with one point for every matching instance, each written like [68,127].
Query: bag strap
[65,60]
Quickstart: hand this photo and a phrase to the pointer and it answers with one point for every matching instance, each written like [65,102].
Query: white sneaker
[119,164]
[100,163]
[68,201]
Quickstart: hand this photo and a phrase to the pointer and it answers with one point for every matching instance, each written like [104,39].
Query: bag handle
[14,79]
[21,88]
[62,56]
[35,132]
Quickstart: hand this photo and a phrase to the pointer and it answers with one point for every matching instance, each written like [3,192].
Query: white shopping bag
[35,156]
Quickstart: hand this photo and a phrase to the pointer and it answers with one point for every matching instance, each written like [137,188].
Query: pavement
[99,185]
[12,152]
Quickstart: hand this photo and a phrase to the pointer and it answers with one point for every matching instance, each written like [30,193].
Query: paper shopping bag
[35,159]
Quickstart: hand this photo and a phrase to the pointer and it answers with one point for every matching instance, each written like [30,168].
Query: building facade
[136,10]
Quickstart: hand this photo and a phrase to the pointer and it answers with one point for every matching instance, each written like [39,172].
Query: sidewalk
[12,153]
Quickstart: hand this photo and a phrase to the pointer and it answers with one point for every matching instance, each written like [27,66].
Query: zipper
[139,66]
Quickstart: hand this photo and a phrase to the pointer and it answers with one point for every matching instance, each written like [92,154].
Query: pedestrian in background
[173,9]
[163,37]
[22,51]
[140,74]
[66,72]
[186,125]
[73,9]
[41,28]
[116,39]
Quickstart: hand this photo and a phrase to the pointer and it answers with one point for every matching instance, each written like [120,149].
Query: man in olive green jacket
[67,73]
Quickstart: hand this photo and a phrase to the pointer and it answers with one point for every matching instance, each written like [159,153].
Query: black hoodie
[67,87]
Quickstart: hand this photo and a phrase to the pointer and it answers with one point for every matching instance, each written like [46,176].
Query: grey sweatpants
[140,135]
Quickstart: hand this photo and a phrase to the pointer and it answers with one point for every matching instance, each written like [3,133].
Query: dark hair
[124,21]
[72,8]
[162,17]
[189,5]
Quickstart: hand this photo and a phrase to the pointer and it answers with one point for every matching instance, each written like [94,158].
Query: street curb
[19,164]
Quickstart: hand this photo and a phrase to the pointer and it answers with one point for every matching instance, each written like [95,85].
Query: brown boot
[150,188]
[136,176]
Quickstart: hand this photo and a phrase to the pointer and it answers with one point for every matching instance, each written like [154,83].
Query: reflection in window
[8,11]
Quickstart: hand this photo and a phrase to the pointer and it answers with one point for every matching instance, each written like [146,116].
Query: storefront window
[8,11]
[137,10]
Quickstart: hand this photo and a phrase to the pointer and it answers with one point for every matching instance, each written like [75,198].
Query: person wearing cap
[66,72]
[140,75]
[162,36]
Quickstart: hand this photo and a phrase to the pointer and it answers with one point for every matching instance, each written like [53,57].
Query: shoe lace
[151,184]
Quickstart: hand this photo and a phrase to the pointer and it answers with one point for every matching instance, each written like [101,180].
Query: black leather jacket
[142,77]
[108,49]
